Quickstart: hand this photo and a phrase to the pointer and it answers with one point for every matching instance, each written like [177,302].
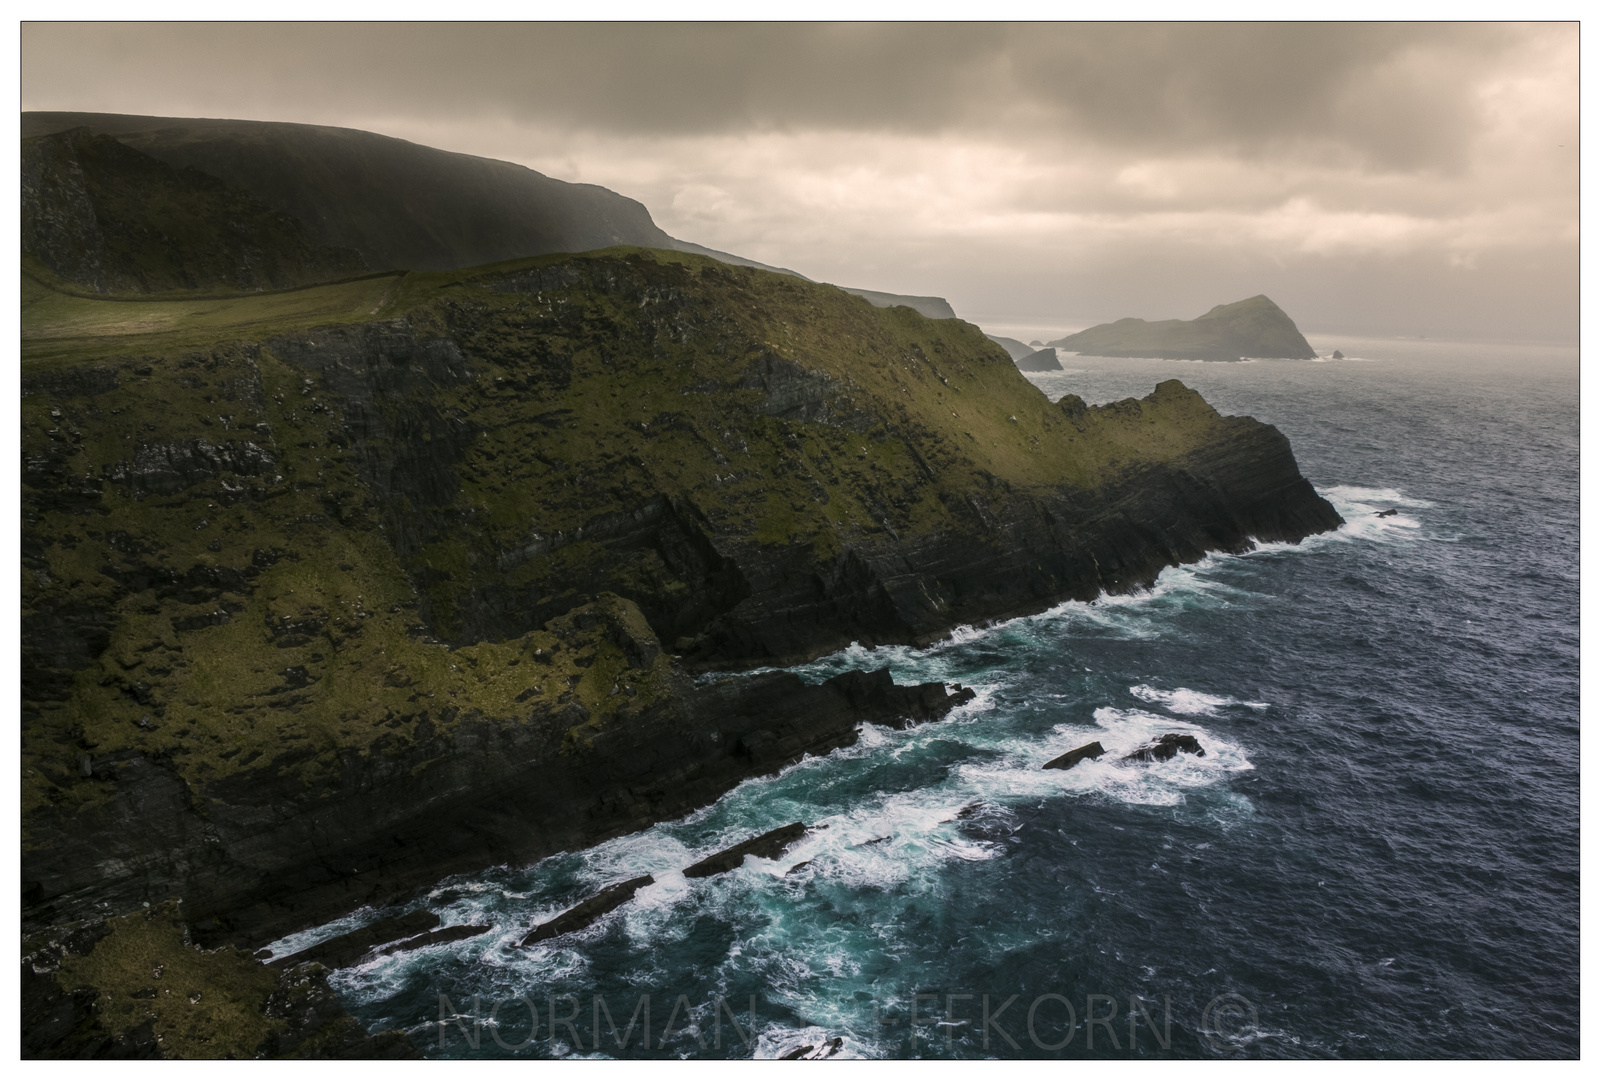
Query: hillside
[399,205]
[932,307]
[1248,329]
[189,203]
[110,218]
[1017,350]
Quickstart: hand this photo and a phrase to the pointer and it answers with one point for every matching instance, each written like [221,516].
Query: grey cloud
[1368,176]
[1387,95]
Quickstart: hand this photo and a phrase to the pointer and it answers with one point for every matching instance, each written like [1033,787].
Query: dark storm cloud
[1390,96]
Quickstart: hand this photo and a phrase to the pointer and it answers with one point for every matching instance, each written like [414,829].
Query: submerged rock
[767,846]
[1081,753]
[435,937]
[588,911]
[1167,747]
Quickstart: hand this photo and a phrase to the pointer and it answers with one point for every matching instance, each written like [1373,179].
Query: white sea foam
[305,939]
[777,1040]
[1187,702]
[1018,778]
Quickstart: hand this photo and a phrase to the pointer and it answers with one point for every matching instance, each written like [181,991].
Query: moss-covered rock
[135,986]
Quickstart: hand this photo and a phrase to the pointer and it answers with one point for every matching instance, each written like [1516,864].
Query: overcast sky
[1398,179]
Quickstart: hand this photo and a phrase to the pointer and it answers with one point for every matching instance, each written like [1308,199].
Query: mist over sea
[1378,854]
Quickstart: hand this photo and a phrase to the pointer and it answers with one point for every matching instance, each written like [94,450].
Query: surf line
[772,844]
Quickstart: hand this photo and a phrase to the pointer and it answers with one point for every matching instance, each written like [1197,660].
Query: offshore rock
[588,911]
[769,845]
[436,937]
[1165,748]
[1040,360]
[1082,753]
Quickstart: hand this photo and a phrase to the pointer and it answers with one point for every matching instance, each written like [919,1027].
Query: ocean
[1376,856]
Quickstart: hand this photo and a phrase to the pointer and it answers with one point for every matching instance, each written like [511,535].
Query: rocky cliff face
[316,615]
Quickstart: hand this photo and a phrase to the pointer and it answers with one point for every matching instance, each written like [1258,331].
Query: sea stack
[1041,360]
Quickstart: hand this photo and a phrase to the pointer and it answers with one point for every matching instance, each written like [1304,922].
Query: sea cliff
[331,593]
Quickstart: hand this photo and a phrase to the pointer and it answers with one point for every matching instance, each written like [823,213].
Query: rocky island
[1249,329]
[332,591]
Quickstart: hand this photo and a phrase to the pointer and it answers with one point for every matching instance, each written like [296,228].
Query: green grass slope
[112,219]
[398,204]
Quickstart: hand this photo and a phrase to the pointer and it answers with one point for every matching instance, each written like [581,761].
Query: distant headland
[1249,329]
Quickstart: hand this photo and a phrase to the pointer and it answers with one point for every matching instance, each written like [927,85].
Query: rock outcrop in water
[1040,360]
[770,845]
[1092,750]
[414,578]
[588,911]
[1248,329]
[1166,747]
[767,845]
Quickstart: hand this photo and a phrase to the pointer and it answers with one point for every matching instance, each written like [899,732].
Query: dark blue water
[1378,855]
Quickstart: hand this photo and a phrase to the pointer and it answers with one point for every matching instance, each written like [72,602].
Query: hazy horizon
[1372,179]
